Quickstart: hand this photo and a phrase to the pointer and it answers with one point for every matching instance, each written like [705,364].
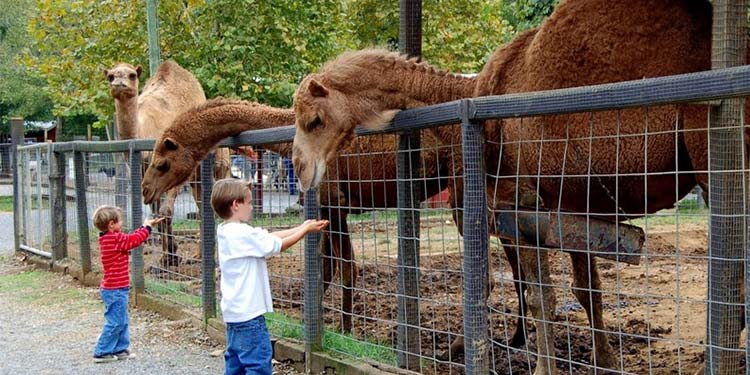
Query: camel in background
[582,43]
[171,91]
[199,130]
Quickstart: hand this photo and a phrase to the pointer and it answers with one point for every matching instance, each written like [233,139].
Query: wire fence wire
[598,255]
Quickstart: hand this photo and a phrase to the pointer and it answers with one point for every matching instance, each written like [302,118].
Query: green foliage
[21,94]
[260,50]
[458,35]
[249,49]
[525,14]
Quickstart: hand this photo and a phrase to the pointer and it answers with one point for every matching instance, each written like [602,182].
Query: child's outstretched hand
[152,222]
[312,226]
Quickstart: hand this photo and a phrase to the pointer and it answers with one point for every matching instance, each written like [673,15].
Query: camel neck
[406,84]
[202,128]
[127,117]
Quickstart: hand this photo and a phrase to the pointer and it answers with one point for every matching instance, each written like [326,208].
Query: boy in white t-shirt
[245,288]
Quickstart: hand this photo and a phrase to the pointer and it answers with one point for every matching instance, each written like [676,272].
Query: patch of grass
[284,326]
[24,281]
[6,203]
[173,291]
[689,214]
[391,216]
[39,287]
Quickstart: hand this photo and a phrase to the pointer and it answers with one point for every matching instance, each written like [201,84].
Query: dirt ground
[655,312]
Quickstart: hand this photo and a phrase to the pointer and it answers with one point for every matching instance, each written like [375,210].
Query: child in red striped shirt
[115,247]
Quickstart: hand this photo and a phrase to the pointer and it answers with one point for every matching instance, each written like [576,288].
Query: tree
[458,35]
[21,93]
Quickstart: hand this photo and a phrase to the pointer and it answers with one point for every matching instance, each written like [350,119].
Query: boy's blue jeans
[248,348]
[115,336]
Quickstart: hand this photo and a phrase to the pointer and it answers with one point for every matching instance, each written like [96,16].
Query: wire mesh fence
[587,244]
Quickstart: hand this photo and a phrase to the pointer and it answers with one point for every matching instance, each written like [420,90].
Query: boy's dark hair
[225,192]
[104,214]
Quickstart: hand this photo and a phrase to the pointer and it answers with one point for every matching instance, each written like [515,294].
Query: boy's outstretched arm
[290,237]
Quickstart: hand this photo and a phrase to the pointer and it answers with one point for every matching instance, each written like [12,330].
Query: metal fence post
[57,197]
[313,283]
[409,197]
[475,230]
[208,238]
[136,219]
[16,131]
[726,190]
[84,245]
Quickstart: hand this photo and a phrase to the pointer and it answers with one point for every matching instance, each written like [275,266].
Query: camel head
[325,119]
[171,164]
[123,80]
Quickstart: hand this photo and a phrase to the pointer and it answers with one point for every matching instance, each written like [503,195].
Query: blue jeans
[248,348]
[115,336]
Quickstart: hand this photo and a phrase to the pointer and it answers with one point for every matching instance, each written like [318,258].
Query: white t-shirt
[245,289]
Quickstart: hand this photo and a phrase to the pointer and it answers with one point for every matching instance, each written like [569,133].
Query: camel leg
[511,253]
[195,190]
[541,300]
[519,335]
[348,274]
[169,248]
[590,297]
[328,267]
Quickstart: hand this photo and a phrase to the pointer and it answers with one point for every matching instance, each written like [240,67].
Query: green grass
[284,326]
[687,212]
[38,287]
[6,203]
[173,291]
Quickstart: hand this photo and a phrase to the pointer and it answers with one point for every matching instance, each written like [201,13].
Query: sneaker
[105,358]
[125,354]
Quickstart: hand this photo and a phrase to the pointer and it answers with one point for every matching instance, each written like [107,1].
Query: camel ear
[138,71]
[379,120]
[171,144]
[317,89]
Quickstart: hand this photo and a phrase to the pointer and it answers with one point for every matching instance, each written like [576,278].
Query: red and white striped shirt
[115,247]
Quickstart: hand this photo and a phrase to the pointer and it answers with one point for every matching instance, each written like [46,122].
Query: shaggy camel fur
[582,43]
[168,93]
[196,132]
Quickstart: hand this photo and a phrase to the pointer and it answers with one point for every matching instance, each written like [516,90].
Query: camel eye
[314,124]
[163,166]
[110,77]
[131,76]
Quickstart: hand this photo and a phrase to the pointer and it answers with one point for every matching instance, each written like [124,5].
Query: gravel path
[50,324]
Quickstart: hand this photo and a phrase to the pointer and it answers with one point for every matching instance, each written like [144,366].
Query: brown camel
[200,129]
[171,91]
[582,43]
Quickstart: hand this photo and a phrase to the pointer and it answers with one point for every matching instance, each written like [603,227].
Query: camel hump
[172,80]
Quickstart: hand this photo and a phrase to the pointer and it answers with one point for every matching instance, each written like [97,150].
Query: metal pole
[154,51]
[409,197]
[82,213]
[16,131]
[313,284]
[726,190]
[136,219]
[475,268]
[208,238]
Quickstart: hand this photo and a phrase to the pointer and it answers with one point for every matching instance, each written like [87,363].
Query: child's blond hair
[225,192]
[104,214]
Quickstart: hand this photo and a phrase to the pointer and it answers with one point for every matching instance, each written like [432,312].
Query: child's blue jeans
[248,348]
[115,336]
